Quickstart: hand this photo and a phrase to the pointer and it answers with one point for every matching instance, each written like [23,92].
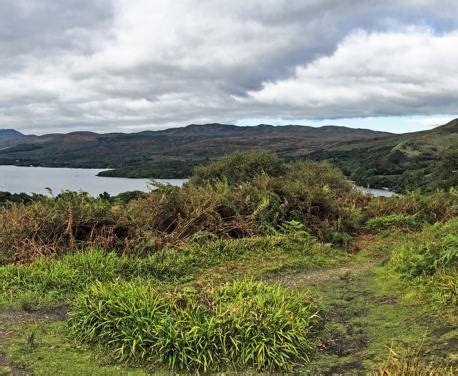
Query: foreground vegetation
[253,265]
[240,325]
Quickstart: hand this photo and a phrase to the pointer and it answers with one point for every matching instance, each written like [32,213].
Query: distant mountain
[8,136]
[378,159]
[173,152]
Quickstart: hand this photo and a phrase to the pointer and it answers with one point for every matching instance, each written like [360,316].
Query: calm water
[377,192]
[36,179]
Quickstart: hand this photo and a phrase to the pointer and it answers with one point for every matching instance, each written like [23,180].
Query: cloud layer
[133,65]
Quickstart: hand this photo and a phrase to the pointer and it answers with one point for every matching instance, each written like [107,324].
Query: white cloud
[372,74]
[121,64]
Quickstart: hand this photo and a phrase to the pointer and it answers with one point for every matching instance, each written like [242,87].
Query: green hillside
[400,162]
[425,160]
[172,153]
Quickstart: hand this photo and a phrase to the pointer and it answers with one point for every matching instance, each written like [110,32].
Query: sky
[123,65]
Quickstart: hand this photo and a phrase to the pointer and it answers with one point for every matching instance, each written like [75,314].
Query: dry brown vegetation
[313,194]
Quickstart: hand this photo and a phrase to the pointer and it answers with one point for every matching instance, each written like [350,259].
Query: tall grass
[434,249]
[411,364]
[237,326]
[48,280]
[438,206]
[430,260]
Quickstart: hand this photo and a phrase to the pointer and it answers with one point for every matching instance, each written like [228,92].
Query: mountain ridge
[375,158]
[8,136]
[212,127]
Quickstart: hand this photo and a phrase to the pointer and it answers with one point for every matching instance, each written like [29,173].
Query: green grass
[168,279]
[365,313]
[370,313]
[398,221]
[237,326]
[429,261]
[51,353]
[50,281]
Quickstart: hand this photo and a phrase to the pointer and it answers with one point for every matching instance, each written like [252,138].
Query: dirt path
[10,320]
[320,276]
[362,320]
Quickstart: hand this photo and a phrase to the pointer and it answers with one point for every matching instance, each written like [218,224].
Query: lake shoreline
[29,180]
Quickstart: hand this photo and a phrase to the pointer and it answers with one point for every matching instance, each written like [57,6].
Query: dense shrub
[7,198]
[239,167]
[438,206]
[315,194]
[237,326]
[430,259]
[51,226]
[398,221]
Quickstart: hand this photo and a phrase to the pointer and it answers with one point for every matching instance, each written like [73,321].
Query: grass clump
[399,221]
[235,326]
[430,260]
[411,364]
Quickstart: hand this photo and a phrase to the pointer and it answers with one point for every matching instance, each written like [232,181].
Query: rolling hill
[172,152]
[9,137]
[424,160]
[377,159]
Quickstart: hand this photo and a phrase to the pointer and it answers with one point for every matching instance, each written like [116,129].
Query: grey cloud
[43,26]
[120,64]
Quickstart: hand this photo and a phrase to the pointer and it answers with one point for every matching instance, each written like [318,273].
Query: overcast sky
[131,65]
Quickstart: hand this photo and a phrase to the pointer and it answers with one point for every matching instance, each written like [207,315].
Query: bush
[52,226]
[434,249]
[313,193]
[237,326]
[239,167]
[429,261]
[431,208]
[398,221]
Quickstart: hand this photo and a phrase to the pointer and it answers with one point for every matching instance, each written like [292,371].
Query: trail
[361,322]
[10,320]
[344,347]
[326,275]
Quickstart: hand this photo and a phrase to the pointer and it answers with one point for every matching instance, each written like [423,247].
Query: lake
[29,180]
[377,192]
